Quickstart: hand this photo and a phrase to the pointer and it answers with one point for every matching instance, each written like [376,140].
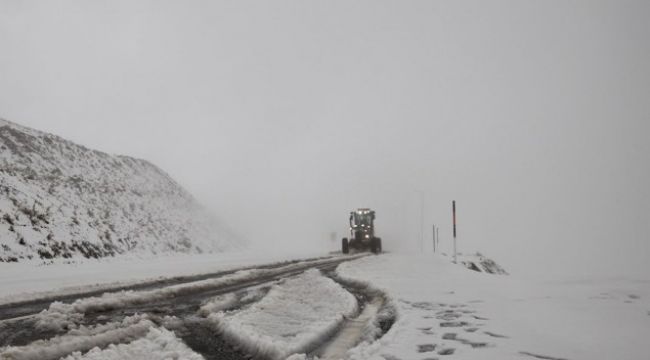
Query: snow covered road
[173,286]
[189,309]
[387,307]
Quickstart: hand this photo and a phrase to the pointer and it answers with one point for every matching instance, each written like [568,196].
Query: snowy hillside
[62,200]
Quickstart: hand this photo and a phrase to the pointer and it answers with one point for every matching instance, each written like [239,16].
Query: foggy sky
[282,116]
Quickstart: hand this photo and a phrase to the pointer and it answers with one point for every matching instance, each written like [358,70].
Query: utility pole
[421,219]
[434,238]
[453,205]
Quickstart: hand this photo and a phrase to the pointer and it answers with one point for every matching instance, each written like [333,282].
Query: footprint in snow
[426,348]
[489,333]
[542,357]
[446,351]
[473,344]
[448,316]
[453,324]
[424,305]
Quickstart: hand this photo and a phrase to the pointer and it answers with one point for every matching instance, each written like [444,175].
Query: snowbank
[219,303]
[478,262]
[80,339]
[159,343]
[294,317]
[60,312]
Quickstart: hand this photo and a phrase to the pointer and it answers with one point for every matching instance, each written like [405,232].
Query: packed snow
[80,339]
[219,303]
[135,338]
[294,317]
[159,343]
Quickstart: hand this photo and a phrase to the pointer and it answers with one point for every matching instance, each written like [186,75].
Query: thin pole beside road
[453,205]
[434,238]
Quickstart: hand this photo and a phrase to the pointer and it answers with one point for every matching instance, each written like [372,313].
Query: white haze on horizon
[283,116]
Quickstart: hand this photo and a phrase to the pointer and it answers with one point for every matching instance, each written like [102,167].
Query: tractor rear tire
[345,246]
[375,245]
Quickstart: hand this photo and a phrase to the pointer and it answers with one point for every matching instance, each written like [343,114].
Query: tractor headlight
[367,236]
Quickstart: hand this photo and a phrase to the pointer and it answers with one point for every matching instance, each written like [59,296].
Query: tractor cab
[362,219]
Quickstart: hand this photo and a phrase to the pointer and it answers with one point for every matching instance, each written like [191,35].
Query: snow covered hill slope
[62,200]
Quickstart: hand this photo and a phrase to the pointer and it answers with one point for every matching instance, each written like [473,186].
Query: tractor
[362,233]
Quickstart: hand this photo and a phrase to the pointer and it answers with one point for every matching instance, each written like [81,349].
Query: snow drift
[62,200]
[81,339]
[478,262]
[159,343]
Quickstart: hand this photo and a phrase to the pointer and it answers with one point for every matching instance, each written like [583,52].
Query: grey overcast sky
[282,116]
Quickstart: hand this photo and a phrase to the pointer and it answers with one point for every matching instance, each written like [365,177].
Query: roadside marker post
[437,239]
[453,205]
[434,238]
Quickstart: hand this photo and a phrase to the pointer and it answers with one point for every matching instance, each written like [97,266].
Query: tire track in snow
[376,318]
[201,337]
[17,310]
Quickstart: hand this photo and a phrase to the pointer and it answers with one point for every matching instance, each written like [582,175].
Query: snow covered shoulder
[445,309]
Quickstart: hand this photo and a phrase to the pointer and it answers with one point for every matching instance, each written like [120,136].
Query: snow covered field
[446,311]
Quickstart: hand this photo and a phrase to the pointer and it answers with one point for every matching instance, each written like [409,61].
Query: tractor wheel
[345,246]
[375,245]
